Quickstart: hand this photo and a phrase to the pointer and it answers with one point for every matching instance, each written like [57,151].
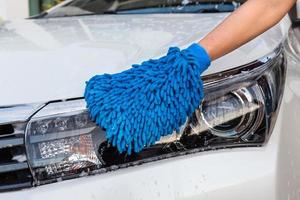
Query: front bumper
[227,174]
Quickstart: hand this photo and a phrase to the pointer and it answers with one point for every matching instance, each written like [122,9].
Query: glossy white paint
[288,164]
[50,59]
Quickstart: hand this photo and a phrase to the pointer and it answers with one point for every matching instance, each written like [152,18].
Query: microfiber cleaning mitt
[150,100]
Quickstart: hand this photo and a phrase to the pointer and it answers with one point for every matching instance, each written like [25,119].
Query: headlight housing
[239,109]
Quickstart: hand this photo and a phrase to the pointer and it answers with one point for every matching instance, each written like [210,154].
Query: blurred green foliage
[47,4]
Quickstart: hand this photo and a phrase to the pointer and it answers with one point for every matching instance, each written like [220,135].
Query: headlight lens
[231,115]
[239,109]
[63,142]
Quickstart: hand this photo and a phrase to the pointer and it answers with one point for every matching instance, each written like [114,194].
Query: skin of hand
[250,20]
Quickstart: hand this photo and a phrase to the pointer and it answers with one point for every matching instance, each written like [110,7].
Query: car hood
[50,59]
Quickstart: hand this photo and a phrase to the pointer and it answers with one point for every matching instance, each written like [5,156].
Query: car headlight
[239,109]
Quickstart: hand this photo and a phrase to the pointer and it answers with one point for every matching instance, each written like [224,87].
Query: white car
[242,143]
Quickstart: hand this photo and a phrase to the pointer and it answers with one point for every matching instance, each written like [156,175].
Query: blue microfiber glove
[150,100]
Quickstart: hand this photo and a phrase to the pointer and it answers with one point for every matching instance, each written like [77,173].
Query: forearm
[247,22]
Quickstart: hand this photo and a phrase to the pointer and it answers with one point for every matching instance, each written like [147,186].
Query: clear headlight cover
[239,109]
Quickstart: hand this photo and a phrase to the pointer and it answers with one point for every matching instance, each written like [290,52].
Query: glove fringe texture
[140,105]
